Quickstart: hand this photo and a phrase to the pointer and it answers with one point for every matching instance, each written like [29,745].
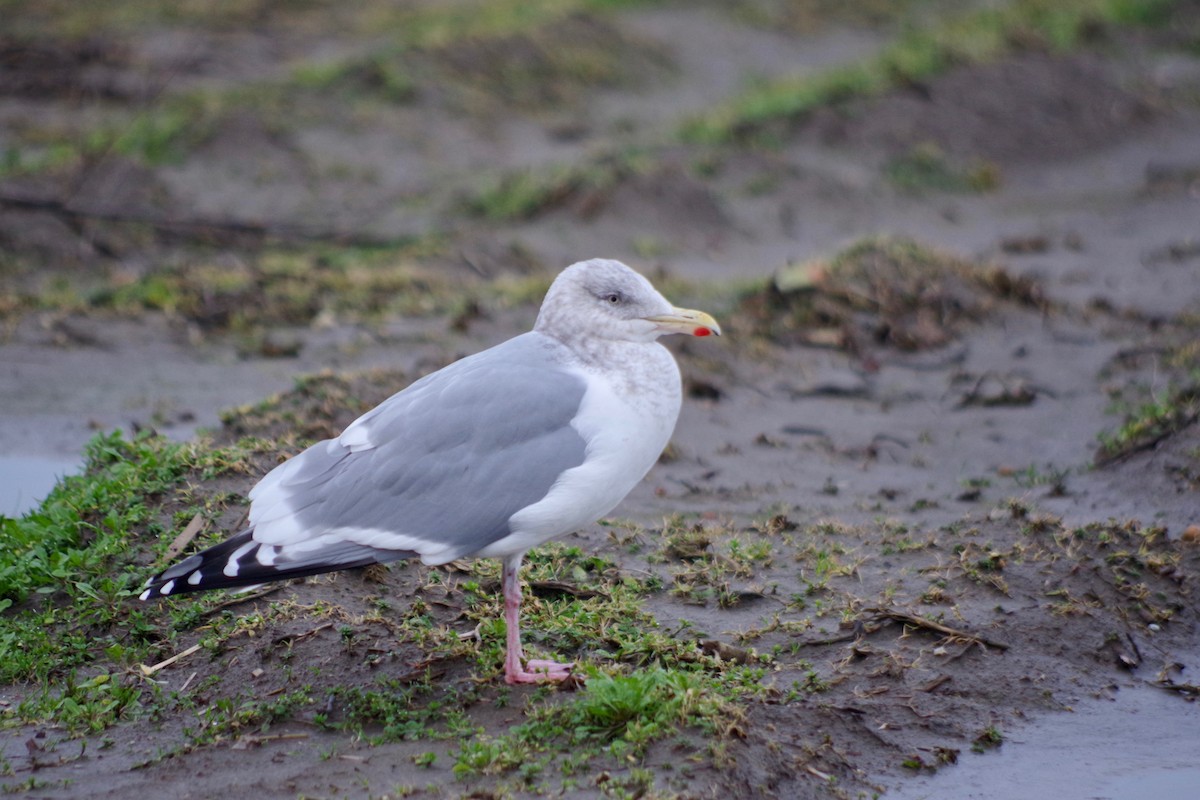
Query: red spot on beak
[701,332]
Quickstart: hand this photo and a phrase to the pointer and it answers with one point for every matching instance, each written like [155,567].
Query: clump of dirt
[891,293]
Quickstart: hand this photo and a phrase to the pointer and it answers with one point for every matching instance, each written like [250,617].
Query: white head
[604,299]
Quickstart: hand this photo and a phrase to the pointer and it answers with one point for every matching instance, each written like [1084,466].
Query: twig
[1187,689]
[248,740]
[290,639]
[843,637]
[913,709]
[239,599]
[922,622]
[935,683]
[184,539]
[148,671]
[811,770]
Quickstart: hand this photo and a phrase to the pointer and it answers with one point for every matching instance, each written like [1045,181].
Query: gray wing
[437,469]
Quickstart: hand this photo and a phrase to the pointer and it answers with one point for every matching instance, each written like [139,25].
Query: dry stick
[842,637]
[817,773]
[184,539]
[241,598]
[246,741]
[936,682]
[1188,690]
[290,639]
[148,671]
[928,624]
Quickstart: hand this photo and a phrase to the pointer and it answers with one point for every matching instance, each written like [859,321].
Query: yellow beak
[686,320]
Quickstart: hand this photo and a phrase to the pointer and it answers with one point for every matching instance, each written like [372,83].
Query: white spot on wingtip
[194,578]
[144,595]
[167,587]
[232,567]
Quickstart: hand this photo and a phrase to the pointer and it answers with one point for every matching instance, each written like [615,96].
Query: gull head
[604,299]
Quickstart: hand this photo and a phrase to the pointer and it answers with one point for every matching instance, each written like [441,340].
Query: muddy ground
[888,487]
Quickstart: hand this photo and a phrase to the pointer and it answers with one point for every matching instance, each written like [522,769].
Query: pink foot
[531,671]
[538,672]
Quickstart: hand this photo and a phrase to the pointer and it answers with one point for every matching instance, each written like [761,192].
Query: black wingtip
[200,571]
[207,569]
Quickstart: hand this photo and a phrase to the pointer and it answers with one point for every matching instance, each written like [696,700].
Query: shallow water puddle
[26,480]
[1139,746]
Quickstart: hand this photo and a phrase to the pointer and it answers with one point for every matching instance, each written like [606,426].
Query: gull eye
[612,298]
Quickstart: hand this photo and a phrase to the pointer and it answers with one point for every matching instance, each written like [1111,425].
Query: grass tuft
[973,37]
[619,715]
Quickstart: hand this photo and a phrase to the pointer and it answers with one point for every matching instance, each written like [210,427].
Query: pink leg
[514,672]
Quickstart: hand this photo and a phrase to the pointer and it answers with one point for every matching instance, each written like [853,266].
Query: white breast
[626,418]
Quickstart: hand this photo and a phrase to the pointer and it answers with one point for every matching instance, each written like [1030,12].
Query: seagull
[487,457]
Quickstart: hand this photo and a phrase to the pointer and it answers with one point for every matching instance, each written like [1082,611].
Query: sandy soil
[916,466]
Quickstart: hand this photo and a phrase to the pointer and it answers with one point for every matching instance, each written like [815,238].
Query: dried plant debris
[546,67]
[892,293]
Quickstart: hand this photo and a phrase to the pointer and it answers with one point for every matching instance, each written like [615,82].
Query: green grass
[969,38]
[276,286]
[34,159]
[523,194]
[1151,421]
[391,711]
[69,568]
[1150,415]
[382,74]
[926,168]
[160,134]
[989,739]
[86,522]
[616,715]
